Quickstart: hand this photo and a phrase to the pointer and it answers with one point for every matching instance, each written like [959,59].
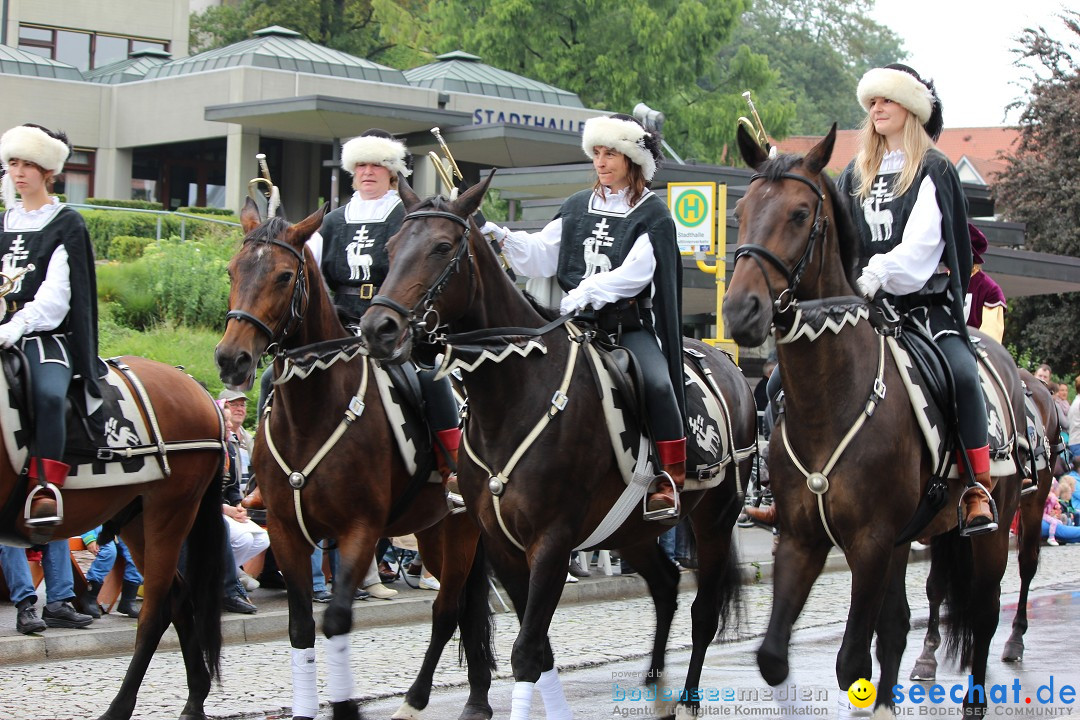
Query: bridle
[293,315]
[424,319]
[785,301]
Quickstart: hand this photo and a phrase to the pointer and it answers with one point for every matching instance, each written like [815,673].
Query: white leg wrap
[551,692]
[521,702]
[846,711]
[305,701]
[339,676]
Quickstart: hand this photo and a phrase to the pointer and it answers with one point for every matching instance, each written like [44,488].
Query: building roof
[980,147]
[279,48]
[464,73]
[14,61]
[133,68]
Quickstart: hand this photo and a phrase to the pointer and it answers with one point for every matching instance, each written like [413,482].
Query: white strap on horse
[297,479]
[818,482]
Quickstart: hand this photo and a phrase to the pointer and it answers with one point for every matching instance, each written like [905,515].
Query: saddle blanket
[124,428]
[708,441]
[1001,426]
[410,433]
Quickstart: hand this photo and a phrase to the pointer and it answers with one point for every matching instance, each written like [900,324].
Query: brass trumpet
[447,169]
[7,284]
[757,132]
[270,192]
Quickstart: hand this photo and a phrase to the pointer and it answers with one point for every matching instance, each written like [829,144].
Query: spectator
[1073,421]
[1052,517]
[59,589]
[104,559]
[985,300]
[1043,373]
[246,538]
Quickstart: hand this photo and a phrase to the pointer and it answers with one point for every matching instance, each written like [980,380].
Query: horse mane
[267,230]
[545,312]
[773,170]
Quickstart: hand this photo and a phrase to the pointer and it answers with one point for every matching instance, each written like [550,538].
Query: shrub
[189,280]
[105,225]
[224,212]
[139,204]
[126,248]
[125,292]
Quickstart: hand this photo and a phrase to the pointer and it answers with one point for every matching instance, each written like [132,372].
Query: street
[600,649]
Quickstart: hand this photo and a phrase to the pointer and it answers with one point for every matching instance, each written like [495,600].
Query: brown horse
[182,508]
[533,514]
[1028,541]
[333,470]
[857,494]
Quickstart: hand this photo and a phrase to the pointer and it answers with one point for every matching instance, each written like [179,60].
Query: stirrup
[1028,489]
[48,520]
[663,513]
[455,503]
[982,529]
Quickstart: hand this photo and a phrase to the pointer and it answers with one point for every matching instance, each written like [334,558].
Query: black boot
[89,604]
[128,596]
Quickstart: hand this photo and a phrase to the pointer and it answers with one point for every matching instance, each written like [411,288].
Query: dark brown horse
[278,303]
[567,479]
[1028,542]
[184,507]
[796,250]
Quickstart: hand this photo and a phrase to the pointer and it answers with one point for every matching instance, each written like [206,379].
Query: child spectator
[104,558]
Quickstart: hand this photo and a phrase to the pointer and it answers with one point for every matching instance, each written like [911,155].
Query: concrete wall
[151,19]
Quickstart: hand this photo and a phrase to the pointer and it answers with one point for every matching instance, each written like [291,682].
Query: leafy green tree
[820,48]
[1041,188]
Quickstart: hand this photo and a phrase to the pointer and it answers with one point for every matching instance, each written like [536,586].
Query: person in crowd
[59,612]
[613,249]
[105,556]
[910,214]
[51,312]
[985,300]
[1072,419]
[1070,513]
[1043,373]
[1052,517]
[1061,400]
[246,538]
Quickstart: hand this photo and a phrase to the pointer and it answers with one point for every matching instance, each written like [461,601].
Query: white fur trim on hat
[898,86]
[377,151]
[33,145]
[621,135]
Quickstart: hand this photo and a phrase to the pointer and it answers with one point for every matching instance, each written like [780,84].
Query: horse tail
[957,562]
[731,584]
[204,573]
[476,620]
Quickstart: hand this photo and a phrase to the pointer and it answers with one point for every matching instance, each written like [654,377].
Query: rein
[292,317]
[785,301]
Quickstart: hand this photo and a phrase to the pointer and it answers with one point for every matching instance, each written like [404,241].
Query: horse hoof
[1013,653]
[476,712]
[774,668]
[924,671]
[406,712]
[345,710]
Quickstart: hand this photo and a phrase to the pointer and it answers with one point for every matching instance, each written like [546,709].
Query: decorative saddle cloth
[117,458]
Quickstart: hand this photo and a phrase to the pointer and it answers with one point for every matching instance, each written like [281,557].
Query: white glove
[868,284]
[574,301]
[11,331]
[491,228]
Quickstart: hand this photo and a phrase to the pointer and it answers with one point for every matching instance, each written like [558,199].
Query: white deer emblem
[595,260]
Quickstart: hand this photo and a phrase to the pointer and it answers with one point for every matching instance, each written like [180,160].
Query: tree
[1041,188]
[821,48]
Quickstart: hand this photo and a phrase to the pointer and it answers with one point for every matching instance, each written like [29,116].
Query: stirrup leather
[50,520]
[966,531]
[663,513]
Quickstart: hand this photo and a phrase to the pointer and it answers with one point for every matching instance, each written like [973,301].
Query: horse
[533,513]
[1028,545]
[835,369]
[161,517]
[355,490]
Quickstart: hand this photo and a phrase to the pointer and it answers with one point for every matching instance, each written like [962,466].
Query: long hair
[634,176]
[914,142]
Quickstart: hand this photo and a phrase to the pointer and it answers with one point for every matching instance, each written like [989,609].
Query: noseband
[293,315]
[786,299]
[423,318]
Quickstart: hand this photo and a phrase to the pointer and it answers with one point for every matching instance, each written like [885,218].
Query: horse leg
[662,579]
[293,555]
[926,665]
[869,581]
[1027,540]
[797,566]
[893,624]
[990,557]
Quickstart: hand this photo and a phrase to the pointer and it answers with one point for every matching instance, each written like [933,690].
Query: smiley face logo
[862,693]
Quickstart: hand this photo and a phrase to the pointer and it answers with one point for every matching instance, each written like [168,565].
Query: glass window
[143,189]
[146,45]
[73,48]
[42,51]
[33,33]
[109,49]
[79,157]
[76,185]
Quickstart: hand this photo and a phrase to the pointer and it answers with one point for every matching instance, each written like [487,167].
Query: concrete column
[112,173]
[240,165]
[424,181]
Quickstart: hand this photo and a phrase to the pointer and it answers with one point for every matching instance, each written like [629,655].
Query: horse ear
[818,158]
[299,233]
[249,216]
[752,153]
[405,191]
[468,201]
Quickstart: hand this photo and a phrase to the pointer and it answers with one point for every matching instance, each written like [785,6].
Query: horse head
[270,288]
[793,225]
[432,278]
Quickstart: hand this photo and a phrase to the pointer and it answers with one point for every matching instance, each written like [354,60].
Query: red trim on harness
[450,438]
[56,472]
[671,451]
[979,459]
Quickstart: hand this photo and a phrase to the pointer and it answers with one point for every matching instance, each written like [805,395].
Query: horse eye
[800,216]
[442,248]
[284,277]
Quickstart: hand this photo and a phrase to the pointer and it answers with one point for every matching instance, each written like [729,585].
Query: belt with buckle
[13,306]
[364,292]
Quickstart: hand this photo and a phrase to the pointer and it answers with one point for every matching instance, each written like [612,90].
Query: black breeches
[664,419]
[442,410]
[50,381]
[970,408]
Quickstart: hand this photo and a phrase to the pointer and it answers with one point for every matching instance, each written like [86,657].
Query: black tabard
[354,259]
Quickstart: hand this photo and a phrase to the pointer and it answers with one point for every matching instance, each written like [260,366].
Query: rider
[910,214]
[350,250]
[985,299]
[51,312]
[613,248]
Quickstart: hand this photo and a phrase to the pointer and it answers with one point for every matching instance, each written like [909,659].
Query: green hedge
[106,225]
[126,248]
[137,204]
[225,212]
